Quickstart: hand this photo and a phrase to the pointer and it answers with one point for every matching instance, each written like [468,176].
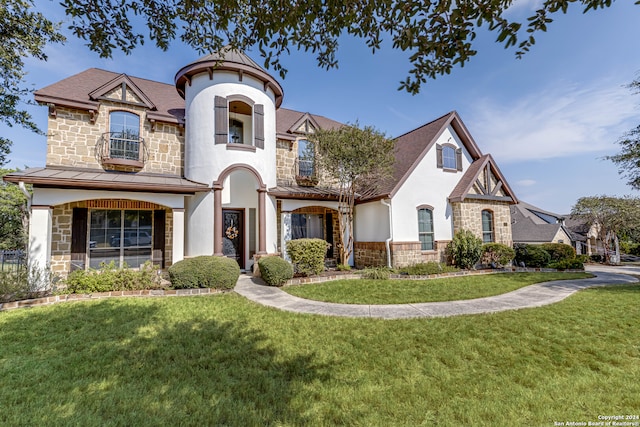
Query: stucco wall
[428,185]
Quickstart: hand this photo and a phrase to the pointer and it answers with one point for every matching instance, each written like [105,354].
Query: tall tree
[628,160]
[439,34]
[24,33]
[357,160]
[609,217]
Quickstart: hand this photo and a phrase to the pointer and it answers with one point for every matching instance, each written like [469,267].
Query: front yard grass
[404,291]
[223,360]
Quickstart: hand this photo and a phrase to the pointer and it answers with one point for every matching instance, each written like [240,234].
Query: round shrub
[532,256]
[465,249]
[307,255]
[497,254]
[559,251]
[204,272]
[275,270]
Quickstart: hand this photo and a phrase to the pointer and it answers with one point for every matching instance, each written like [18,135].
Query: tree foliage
[439,34]
[13,215]
[609,216]
[357,160]
[628,160]
[24,33]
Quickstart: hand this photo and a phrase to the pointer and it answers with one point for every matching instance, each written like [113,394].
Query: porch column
[40,240]
[262,221]
[286,233]
[177,250]
[217,220]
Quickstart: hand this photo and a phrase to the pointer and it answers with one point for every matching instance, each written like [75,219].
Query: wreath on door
[231,232]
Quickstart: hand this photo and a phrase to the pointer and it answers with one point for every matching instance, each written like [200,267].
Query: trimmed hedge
[497,253]
[559,251]
[275,270]
[568,264]
[307,255]
[204,271]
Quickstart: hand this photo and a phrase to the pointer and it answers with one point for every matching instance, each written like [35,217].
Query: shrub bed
[559,251]
[275,270]
[426,268]
[532,256]
[111,278]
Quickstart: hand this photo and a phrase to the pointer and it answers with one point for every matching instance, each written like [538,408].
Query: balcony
[122,149]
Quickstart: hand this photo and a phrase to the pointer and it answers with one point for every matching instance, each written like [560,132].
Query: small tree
[357,160]
[610,216]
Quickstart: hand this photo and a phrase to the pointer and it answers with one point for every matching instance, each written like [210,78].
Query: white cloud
[526,182]
[558,122]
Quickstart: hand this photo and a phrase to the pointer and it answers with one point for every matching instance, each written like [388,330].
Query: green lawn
[363,291]
[222,360]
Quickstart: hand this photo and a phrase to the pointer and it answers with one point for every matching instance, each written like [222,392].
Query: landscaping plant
[275,270]
[307,255]
[497,254]
[205,271]
[465,249]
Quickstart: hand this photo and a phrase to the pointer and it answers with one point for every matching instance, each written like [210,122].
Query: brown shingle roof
[285,119]
[74,92]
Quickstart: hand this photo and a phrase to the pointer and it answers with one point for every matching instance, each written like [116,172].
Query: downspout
[387,242]
[27,195]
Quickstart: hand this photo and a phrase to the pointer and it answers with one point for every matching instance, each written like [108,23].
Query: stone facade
[61,225]
[286,157]
[467,215]
[73,140]
[374,254]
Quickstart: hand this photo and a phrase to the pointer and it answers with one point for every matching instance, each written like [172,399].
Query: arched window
[487,226]
[425,229]
[448,157]
[124,135]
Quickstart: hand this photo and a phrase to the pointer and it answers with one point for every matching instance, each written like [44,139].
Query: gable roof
[411,147]
[76,92]
[472,176]
[288,121]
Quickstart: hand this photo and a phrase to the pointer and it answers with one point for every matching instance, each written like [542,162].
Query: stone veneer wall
[61,233]
[286,161]
[467,215]
[72,140]
[374,254]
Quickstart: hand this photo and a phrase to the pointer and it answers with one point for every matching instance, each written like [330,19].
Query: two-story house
[138,170]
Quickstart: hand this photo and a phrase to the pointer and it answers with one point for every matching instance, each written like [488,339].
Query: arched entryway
[239,214]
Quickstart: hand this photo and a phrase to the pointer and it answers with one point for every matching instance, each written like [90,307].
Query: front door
[233,235]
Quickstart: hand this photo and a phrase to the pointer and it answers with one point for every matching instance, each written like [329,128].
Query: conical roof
[227,60]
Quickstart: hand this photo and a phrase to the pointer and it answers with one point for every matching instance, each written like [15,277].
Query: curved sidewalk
[536,295]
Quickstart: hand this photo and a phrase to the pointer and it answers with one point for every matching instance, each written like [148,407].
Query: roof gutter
[387,242]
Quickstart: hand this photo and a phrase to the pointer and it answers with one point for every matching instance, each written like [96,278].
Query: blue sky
[547,119]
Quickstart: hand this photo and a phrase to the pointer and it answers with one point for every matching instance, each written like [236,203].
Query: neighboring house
[139,170]
[532,225]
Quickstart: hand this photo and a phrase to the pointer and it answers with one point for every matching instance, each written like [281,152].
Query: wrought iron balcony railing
[122,148]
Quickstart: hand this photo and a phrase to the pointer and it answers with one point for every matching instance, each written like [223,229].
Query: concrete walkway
[530,296]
